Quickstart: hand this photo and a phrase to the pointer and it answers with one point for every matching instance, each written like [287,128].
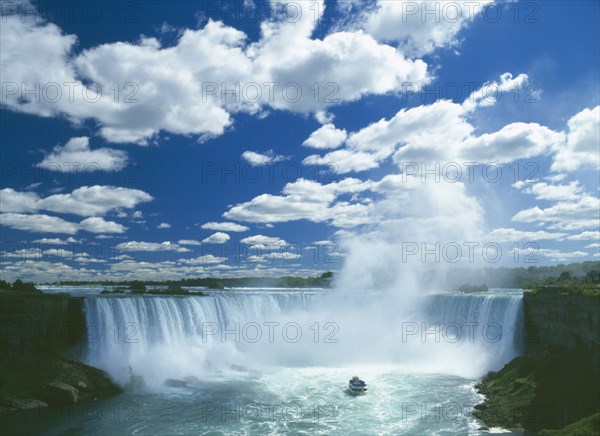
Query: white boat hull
[357,391]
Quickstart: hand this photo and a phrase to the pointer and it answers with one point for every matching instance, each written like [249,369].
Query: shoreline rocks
[61,393]
[39,332]
[537,392]
[51,381]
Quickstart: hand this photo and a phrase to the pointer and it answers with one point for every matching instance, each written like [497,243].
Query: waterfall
[481,318]
[488,327]
[158,337]
[161,337]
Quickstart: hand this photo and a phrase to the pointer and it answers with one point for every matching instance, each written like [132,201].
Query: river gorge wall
[35,324]
[41,343]
[556,322]
[554,389]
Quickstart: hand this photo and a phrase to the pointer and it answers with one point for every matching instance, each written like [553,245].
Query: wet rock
[136,383]
[173,383]
[15,404]
[61,393]
[191,380]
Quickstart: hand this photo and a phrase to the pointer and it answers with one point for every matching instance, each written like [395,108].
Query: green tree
[21,286]
[593,276]
[137,286]
[565,276]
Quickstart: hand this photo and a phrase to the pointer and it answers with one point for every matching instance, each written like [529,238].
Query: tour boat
[357,386]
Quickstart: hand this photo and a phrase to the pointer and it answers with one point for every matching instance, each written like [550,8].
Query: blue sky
[123,158]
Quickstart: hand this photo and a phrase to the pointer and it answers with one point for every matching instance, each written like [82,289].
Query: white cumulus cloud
[582,147]
[224,227]
[217,238]
[77,155]
[257,159]
[178,89]
[328,136]
[84,201]
[136,246]
[420,27]
[564,215]
[42,223]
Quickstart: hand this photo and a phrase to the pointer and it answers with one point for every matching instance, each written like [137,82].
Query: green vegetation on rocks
[50,380]
[468,289]
[588,291]
[137,286]
[540,392]
[589,426]
[325,280]
[19,286]
[554,389]
[170,290]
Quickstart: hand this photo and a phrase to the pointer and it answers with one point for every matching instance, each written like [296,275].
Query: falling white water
[175,337]
[157,338]
[476,333]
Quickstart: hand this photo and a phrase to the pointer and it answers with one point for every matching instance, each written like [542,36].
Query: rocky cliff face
[31,324]
[38,335]
[560,322]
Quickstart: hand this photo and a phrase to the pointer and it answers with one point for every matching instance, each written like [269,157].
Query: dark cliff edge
[554,388]
[41,339]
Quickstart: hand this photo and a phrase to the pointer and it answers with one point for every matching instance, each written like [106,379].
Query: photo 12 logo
[69,92]
[221,412]
[71,12]
[270,331]
[467,172]
[468,251]
[269,92]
